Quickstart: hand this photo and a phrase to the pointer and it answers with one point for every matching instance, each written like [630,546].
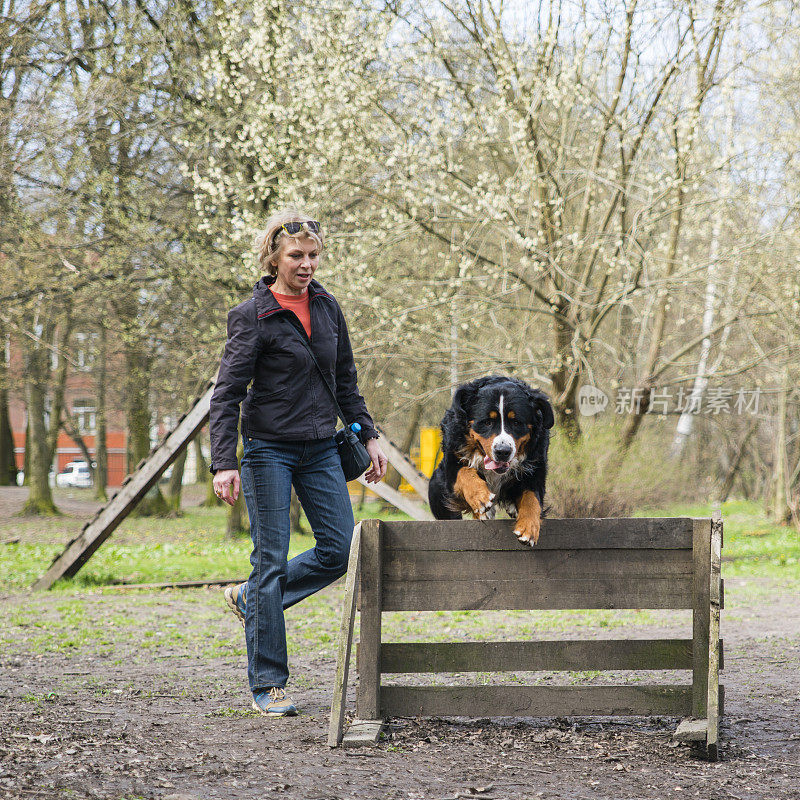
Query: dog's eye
[516,426]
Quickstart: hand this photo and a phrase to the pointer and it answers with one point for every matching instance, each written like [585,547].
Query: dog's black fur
[472,425]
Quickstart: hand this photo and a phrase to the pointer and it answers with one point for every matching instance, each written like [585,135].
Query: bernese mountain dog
[495,438]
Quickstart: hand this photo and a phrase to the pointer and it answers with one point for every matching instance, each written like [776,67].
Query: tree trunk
[8,464]
[176,481]
[40,497]
[733,470]
[138,415]
[26,456]
[211,500]
[780,510]
[683,148]
[686,421]
[564,387]
[633,420]
[64,332]
[100,446]
[201,465]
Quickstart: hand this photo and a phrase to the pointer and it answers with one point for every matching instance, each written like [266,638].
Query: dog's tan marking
[484,442]
[493,414]
[470,452]
[473,489]
[529,519]
[511,415]
[522,441]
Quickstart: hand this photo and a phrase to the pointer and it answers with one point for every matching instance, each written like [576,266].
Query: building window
[84,351]
[83,411]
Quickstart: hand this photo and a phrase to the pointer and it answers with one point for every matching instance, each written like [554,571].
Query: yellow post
[430,444]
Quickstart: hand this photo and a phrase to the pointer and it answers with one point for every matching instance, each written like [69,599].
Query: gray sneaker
[274,703]
[236,598]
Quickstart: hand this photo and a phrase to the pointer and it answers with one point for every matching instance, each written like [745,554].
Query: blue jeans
[269,469]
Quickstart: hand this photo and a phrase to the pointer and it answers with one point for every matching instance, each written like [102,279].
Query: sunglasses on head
[293,228]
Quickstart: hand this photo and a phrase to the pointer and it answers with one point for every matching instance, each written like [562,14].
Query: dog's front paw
[481,501]
[475,492]
[527,531]
[486,510]
[529,519]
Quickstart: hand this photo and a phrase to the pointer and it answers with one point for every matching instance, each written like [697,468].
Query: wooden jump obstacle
[670,563]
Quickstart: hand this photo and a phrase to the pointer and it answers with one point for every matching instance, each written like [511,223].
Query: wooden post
[345,641]
[701,560]
[715,601]
[369,657]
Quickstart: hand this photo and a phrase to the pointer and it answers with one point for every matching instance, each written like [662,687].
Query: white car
[76,474]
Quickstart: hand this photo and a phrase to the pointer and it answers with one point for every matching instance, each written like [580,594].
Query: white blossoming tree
[502,189]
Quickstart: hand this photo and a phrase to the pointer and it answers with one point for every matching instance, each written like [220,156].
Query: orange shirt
[298,304]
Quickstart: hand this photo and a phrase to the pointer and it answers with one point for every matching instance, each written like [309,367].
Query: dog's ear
[466,393]
[455,422]
[462,402]
[540,401]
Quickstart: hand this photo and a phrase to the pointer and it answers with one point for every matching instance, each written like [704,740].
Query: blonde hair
[269,241]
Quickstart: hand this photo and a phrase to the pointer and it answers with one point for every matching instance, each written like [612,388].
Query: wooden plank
[404,465]
[601,654]
[81,549]
[369,662]
[534,701]
[362,732]
[701,555]
[691,730]
[345,641]
[660,533]
[538,593]
[715,597]
[414,509]
[531,564]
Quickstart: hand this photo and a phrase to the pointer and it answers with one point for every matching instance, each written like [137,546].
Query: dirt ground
[128,694]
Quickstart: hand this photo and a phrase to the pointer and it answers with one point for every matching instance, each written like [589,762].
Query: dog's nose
[502,452]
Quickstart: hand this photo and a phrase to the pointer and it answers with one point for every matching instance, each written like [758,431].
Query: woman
[288,419]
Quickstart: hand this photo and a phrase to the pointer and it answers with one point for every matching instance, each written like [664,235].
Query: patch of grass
[23,563]
[29,697]
[150,550]
[233,712]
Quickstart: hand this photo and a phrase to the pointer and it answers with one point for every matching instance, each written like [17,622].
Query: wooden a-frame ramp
[150,469]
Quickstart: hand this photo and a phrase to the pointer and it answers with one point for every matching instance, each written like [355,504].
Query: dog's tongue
[500,466]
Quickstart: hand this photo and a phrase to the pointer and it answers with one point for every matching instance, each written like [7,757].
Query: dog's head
[503,419]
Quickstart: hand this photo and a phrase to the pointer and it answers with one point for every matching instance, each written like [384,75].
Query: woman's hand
[226,485]
[379,462]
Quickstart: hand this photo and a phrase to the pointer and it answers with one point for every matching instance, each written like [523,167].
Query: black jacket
[287,399]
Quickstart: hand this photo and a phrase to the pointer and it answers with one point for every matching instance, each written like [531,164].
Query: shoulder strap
[324,377]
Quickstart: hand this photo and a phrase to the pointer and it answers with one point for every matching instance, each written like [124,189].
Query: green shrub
[587,479]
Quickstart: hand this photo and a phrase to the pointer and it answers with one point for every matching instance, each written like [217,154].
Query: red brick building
[80,399]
